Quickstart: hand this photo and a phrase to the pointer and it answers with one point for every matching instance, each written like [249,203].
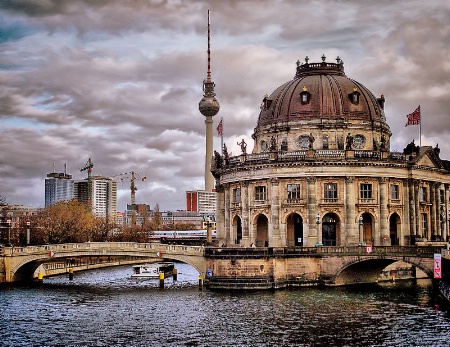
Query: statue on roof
[349,141]
[243,146]
[311,140]
[411,148]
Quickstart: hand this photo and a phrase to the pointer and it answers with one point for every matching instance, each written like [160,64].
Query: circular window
[359,141]
[303,141]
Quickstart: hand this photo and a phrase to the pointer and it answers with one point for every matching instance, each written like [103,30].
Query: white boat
[153,270]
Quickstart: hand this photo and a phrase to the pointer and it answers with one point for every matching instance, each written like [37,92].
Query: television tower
[209,107]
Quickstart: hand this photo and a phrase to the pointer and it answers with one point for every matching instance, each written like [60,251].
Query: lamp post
[360,230]
[9,232]
[207,219]
[28,232]
[319,240]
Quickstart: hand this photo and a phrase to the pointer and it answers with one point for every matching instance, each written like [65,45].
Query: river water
[108,308]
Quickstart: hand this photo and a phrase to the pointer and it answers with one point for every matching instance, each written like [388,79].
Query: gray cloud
[120,81]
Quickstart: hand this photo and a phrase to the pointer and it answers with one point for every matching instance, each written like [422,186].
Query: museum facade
[322,173]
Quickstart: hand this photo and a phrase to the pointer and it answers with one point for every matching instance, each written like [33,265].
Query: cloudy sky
[119,81]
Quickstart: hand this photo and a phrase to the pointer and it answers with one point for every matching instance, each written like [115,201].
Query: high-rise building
[58,187]
[100,192]
[201,201]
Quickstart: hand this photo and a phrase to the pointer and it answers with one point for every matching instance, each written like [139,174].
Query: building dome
[322,101]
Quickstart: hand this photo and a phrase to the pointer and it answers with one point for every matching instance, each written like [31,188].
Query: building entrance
[294,226]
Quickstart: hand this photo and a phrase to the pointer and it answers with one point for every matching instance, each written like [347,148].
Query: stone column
[245,214]
[405,225]
[383,234]
[415,213]
[221,225]
[433,208]
[314,230]
[350,224]
[447,216]
[225,190]
[275,204]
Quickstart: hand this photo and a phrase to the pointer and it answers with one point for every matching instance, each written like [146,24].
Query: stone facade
[321,172]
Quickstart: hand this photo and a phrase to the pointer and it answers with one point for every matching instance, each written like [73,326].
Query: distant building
[58,187]
[201,201]
[186,217]
[137,214]
[11,217]
[120,218]
[101,195]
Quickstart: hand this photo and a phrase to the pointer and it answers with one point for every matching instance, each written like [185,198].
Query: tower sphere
[209,106]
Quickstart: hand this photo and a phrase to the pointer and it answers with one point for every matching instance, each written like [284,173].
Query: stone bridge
[263,268]
[274,267]
[21,262]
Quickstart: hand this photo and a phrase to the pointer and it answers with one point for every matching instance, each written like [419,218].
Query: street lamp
[360,230]
[28,233]
[9,232]
[319,238]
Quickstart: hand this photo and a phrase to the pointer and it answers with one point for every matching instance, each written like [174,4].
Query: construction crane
[132,176]
[88,167]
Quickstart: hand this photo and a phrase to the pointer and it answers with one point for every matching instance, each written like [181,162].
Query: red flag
[220,128]
[414,118]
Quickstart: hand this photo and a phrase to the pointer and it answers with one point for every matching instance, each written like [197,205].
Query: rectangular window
[365,191]
[441,196]
[260,193]
[423,194]
[237,195]
[395,192]
[330,192]
[424,225]
[293,192]
[325,142]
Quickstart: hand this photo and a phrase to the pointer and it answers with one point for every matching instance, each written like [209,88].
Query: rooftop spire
[208,76]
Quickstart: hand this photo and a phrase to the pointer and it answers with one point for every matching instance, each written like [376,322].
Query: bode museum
[322,173]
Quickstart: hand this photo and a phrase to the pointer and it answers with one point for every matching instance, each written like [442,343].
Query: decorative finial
[306,59]
[338,60]
[323,57]
[298,62]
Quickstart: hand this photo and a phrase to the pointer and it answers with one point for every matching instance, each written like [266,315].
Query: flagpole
[420,128]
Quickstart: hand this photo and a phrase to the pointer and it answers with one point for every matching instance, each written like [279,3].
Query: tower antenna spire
[208,76]
[209,107]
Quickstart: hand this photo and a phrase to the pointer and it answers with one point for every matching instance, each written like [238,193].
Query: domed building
[322,173]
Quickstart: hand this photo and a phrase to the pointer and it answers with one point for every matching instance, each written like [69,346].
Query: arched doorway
[237,229]
[262,230]
[330,230]
[366,229]
[294,226]
[394,227]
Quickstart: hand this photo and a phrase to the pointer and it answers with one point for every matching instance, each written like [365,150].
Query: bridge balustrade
[215,252]
[100,246]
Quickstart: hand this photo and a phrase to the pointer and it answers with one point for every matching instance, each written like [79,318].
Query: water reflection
[109,308]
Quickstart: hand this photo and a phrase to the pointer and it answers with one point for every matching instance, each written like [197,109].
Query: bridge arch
[354,270]
[25,261]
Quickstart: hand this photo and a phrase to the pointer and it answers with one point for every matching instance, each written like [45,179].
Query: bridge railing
[226,252]
[94,246]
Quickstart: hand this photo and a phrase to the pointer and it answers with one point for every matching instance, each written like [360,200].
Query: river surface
[108,308]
